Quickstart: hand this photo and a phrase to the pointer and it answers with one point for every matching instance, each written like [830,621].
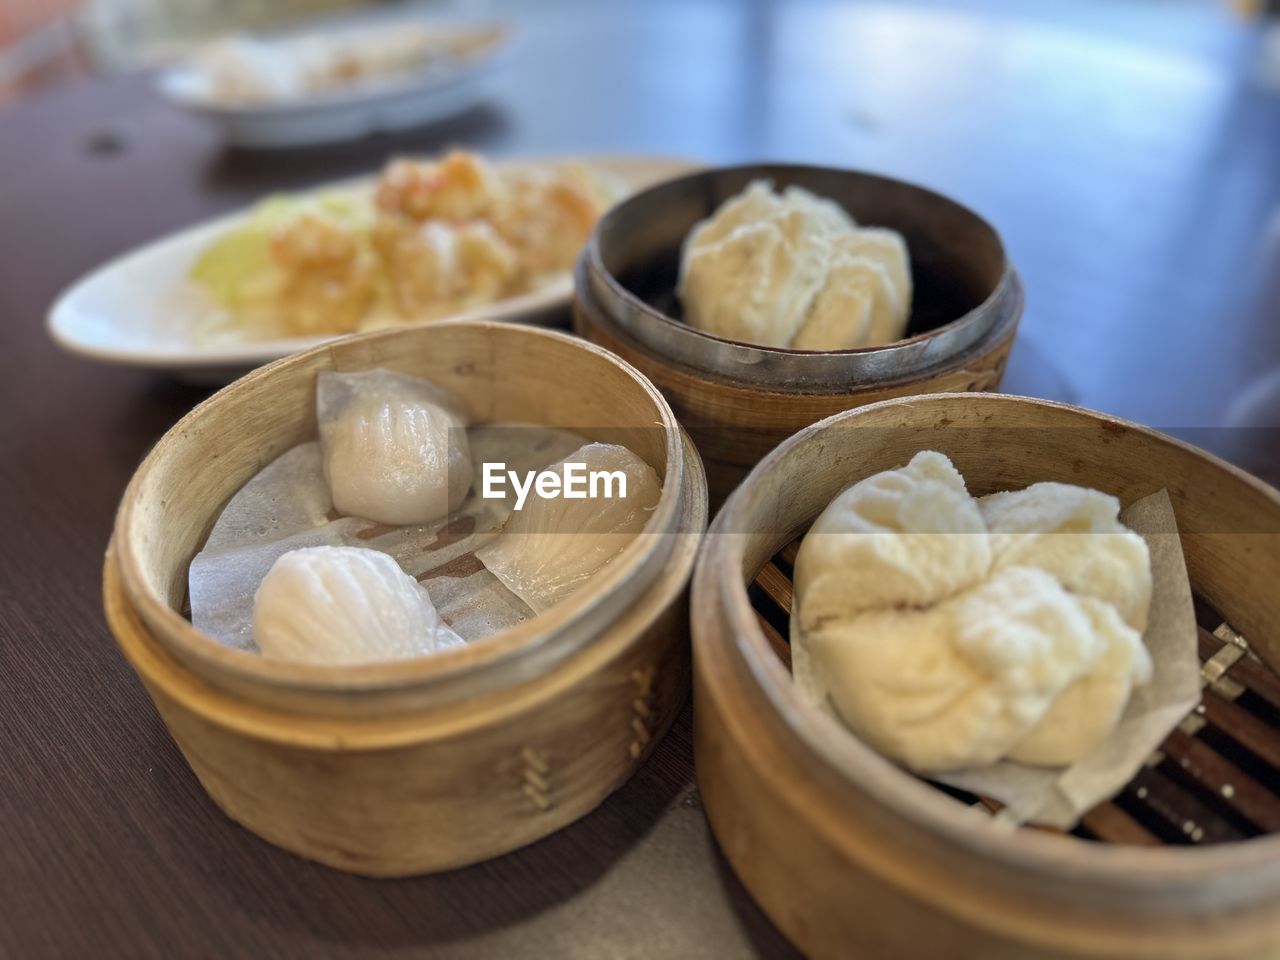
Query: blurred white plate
[141,310]
[443,87]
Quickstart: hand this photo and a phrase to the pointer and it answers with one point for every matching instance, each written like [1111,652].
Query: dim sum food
[792,269]
[345,605]
[395,449]
[1075,534]
[951,633]
[553,546]
[431,239]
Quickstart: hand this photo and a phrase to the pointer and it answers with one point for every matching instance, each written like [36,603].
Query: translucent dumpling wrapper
[395,447]
[792,269]
[952,633]
[551,548]
[345,605]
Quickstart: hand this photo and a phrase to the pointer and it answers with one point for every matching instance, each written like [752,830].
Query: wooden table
[1132,178]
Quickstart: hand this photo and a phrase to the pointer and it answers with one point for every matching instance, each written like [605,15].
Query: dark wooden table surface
[1128,157]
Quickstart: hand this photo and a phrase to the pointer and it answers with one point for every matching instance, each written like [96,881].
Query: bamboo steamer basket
[439,761]
[852,856]
[739,400]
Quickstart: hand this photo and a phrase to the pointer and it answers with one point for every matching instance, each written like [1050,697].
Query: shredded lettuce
[236,268]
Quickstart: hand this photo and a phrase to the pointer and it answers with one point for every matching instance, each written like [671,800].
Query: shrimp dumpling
[345,605]
[394,450]
[551,547]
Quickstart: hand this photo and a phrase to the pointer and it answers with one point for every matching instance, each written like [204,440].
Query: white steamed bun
[794,270]
[946,646]
[907,537]
[1076,534]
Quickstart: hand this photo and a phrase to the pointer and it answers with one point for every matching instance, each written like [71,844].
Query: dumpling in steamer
[394,450]
[907,537]
[758,283]
[825,213]
[345,605]
[552,547]
[887,248]
[858,305]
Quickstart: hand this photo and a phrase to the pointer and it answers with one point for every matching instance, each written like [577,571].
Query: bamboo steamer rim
[722,572]
[573,621]
[786,368]
[1011,290]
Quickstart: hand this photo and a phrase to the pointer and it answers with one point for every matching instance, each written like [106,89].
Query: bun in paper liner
[1009,664]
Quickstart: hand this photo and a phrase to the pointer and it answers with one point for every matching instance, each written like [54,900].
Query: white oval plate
[435,93]
[141,310]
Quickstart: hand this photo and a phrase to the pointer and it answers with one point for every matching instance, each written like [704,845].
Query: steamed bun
[757,284]
[1076,534]
[906,537]
[959,683]
[794,270]
[949,632]
[1088,710]
[344,605]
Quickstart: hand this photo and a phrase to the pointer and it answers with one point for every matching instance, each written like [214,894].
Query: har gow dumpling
[552,547]
[395,451]
[345,605]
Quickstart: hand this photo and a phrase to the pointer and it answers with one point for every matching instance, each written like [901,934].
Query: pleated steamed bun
[1076,534]
[792,269]
[395,450]
[911,536]
[345,605]
[951,633]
